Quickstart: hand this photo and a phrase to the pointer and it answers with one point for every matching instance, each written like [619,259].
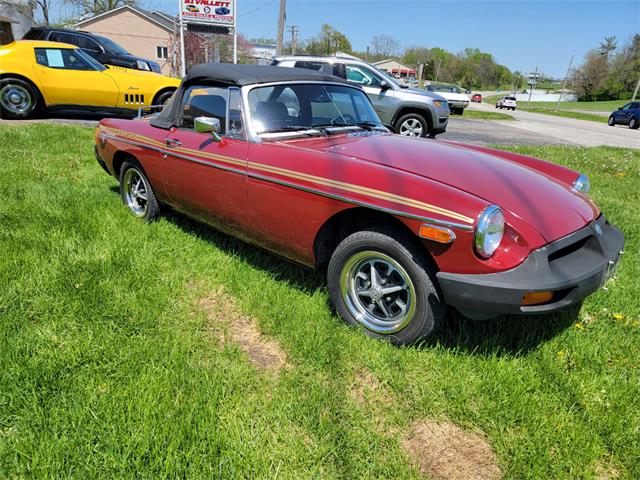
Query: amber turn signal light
[536,298]
[437,234]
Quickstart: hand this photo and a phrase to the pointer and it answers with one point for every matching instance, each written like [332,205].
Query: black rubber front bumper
[572,268]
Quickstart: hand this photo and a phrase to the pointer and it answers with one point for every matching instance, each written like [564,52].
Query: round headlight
[582,184]
[489,231]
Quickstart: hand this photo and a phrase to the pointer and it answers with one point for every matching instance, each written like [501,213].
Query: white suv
[506,102]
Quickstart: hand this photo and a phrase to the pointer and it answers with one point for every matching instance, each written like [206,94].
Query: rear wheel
[163,97]
[633,123]
[412,125]
[379,281]
[136,192]
[18,99]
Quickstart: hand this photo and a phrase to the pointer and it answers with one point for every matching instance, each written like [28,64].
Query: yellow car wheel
[18,98]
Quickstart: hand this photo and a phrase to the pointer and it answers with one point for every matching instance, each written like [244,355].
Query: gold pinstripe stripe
[349,187]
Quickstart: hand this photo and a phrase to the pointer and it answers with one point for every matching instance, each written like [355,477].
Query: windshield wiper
[365,125]
[292,128]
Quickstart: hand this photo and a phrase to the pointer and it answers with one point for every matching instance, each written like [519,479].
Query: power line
[257,9]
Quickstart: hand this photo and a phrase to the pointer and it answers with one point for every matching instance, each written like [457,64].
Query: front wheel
[136,192]
[611,121]
[633,123]
[18,99]
[381,282]
[412,125]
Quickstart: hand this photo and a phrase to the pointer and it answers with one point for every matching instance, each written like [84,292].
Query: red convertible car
[297,162]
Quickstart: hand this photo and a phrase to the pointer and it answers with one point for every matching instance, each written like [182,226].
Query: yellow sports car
[36,75]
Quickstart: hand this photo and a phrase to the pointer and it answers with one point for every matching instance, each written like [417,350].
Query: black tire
[611,121]
[18,99]
[411,118]
[132,178]
[458,111]
[163,97]
[633,123]
[425,308]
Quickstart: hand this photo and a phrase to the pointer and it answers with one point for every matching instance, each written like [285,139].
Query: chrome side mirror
[208,125]
[384,85]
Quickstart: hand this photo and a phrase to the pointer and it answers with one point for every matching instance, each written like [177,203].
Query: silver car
[409,111]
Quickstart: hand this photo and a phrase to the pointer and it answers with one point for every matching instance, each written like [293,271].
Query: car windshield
[300,107]
[444,88]
[510,98]
[111,46]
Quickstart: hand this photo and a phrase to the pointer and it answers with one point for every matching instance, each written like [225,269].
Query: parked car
[457,100]
[506,102]
[36,75]
[410,112]
[299,163]
[628,114]
[476,97]
[103,49]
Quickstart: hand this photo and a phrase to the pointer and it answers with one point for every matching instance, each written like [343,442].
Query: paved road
[568,130]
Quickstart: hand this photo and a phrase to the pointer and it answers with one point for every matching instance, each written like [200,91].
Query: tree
[96,7]
[608,46]
[384,46]
[591,75]
[328,42]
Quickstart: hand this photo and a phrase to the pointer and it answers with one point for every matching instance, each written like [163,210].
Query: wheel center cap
[14,98]
[376,294]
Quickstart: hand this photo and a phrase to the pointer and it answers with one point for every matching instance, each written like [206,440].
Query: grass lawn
[563,113]
[482,115]
[111,366]
[603,106]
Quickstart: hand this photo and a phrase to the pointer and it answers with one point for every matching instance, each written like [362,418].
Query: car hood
[423,93]
[546,204]
[126,77]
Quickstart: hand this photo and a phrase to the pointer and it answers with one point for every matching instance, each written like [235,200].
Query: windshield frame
[255,137]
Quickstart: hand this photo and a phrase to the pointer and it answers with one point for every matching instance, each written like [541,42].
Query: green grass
[108,369]
[480,114]
[603,106]
[563,113]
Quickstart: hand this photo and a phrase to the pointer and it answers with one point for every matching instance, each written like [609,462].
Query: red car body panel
[279,194]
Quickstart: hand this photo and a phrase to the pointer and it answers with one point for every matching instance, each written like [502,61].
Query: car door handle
[172,142]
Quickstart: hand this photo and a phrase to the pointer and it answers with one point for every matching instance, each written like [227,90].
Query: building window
[162,52]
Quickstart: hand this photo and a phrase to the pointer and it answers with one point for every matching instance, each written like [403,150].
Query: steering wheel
[343,118]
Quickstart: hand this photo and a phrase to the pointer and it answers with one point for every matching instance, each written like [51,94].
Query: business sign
[209,12]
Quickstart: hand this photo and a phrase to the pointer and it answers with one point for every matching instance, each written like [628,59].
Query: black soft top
[235,75]
[241,75]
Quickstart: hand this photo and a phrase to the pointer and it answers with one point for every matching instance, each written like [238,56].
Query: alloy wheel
[411,127]
[378,292]
[136,192]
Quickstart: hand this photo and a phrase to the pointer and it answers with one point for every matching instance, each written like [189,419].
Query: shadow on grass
[507,335]
[511,335]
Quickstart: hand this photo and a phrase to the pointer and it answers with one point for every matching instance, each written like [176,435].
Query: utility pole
[564,83]
[438,69]
[294,37]
[534,81]
[635,92]
[281,20]
[366,57]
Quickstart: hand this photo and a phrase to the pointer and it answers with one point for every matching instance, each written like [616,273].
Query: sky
[521,34]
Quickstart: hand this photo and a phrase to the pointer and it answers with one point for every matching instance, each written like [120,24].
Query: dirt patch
[222,310]
[444,451]
[366,387]
[605,471]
